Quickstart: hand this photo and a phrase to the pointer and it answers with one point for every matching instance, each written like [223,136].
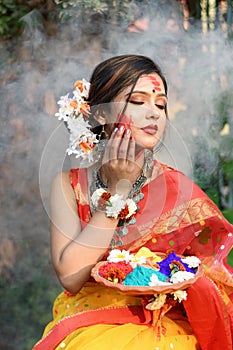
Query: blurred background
[45,46]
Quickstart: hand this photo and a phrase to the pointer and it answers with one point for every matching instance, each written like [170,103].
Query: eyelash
[141,103]
[136,102]
[161,107]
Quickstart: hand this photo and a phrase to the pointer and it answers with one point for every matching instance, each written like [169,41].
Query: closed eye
[162,107]
[137,102]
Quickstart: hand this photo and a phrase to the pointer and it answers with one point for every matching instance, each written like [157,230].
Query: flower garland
[114,206]
[135,197]
[74,111]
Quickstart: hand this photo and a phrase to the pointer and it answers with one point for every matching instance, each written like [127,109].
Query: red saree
[176,214]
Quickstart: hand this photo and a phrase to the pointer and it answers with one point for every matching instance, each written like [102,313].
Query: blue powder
[141,275]
[164,264]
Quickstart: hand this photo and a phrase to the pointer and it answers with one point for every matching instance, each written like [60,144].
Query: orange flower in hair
[85,109]
[79,84]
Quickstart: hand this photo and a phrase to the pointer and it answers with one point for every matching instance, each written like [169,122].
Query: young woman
[128,100]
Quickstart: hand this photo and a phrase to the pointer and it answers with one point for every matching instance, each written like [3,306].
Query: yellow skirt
[173,332]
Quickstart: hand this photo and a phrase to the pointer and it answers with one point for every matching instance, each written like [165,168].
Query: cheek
[164,120]
[162,126]
[125,120]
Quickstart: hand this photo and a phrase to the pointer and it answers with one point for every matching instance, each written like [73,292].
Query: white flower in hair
[74,111]
[66,110]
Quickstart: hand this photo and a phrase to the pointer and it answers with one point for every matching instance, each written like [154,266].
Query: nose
[152,114]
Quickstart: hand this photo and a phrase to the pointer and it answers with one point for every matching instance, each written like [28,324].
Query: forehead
[150,81]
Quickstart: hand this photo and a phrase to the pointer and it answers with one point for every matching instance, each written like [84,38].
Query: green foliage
[213,194]
[26,301]
[228,213]
[11,14]
[15,14]
[230,258]
[114,11]
[227,167]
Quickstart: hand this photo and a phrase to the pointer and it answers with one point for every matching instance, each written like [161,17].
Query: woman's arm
[75,251]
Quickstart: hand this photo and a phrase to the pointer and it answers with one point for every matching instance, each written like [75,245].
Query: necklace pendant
[119,243]
[132,221]
[124,231]
[141,196]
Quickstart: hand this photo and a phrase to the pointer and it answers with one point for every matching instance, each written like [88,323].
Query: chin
[147,145]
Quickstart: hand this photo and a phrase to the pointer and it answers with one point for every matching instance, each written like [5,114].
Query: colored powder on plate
[147,253]
[141,275]
[165,264]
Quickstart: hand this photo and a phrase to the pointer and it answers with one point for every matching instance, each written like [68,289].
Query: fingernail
[128,131]
[115,130]
[122,127]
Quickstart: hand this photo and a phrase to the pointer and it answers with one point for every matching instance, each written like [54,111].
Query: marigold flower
[105,196]
[124,212]
[115,271]
[176,266]
[115,275]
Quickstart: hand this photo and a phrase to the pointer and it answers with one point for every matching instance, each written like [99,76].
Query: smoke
[197,65]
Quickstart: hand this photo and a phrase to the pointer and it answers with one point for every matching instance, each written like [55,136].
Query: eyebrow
[145,93]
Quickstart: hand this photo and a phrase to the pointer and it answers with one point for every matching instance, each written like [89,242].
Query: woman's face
[145,114]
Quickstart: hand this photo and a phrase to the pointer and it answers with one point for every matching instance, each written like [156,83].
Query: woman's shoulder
[178,177]
[168,168]
[165,167]
[62,183]
[67,177]
[61,178]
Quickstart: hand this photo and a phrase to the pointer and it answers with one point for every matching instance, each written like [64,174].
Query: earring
[103,139]
[157,148]
[148,163]
[103,134]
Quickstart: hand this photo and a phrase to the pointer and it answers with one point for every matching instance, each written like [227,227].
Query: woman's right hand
[119,169]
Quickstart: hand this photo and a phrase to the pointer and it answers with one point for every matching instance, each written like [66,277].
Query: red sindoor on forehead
[154,81]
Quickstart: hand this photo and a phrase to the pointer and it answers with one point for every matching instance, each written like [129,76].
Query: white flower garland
[114,206]
[74,111]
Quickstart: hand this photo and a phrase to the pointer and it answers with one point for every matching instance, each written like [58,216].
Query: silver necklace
[135,194]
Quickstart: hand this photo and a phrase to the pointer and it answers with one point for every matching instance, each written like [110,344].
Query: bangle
[114,206]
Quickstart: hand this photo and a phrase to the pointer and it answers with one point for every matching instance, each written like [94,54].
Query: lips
[150,129]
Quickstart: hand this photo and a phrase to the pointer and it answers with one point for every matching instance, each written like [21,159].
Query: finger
[109,145]
[131,150]
[124,145]
[115,143]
